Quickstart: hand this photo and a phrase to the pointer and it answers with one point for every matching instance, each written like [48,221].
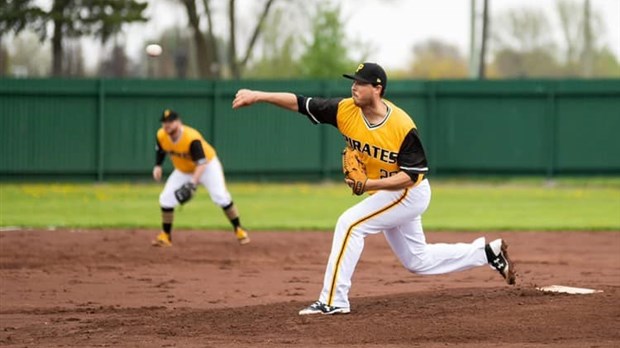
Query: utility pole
[473,51]
[587,38]
[483,43]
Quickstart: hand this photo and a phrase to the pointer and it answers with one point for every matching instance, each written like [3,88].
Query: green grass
[489,204]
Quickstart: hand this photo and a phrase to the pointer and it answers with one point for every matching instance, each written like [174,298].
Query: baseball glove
[354,170]
[185,192]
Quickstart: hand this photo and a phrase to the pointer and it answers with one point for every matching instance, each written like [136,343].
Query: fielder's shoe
[321,308]
[497,255]
[242,236]
[163,240]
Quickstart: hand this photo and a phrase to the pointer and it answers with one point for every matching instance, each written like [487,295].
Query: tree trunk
[257,31]
[232,46]
[235,64]
[202,52]
[4,57]
[216,67]
[57,52]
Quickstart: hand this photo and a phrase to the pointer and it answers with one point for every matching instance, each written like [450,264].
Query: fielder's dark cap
[169,115]
[369,73]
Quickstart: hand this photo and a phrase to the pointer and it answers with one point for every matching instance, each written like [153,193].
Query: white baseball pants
[398,215]
[212,179]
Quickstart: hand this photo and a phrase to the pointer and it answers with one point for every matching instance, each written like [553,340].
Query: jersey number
[386,174]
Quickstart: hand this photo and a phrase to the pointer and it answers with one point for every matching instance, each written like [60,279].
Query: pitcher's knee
[345,221]
[349,217]
[223,202]
[419,263]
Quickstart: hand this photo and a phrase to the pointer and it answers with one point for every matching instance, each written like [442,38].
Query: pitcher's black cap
[369,73]
[169,115]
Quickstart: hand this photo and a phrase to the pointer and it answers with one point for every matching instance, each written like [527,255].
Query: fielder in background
[195,162]
[384,157]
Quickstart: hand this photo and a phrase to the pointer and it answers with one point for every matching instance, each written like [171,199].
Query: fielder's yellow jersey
[387,148]
[190,150]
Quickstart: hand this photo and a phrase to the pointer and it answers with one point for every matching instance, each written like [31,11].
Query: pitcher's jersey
[188,151]
[387,148]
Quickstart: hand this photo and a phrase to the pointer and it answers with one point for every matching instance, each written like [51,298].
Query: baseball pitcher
[384,156]
[195,162]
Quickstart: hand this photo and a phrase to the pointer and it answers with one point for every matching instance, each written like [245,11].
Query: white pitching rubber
[567,289]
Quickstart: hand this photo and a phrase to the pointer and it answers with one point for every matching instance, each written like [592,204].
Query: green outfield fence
[105,129]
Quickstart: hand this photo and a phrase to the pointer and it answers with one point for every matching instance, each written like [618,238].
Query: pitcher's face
[364,93]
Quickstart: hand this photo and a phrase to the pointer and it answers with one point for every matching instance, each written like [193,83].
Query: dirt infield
[111,289]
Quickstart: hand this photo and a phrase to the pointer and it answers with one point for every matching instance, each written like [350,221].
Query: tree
[4,59]
[28,58]
[178,59]
[571,30]
[73,59]
[584,54]
[278,51]
[71,19]
[605,64]
[117,63]
[525,47]
[524,30]
[207,51]
[206,48]
[534,63]
[283,53]
[483,41]
[326,53]
[523,44]
[435,59]
[237,64]
[16,15]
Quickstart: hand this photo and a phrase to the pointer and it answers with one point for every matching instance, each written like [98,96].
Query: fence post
[100,129]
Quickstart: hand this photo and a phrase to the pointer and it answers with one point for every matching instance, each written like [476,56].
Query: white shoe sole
[309,312]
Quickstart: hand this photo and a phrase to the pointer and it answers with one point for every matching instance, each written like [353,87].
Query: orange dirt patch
[111,288]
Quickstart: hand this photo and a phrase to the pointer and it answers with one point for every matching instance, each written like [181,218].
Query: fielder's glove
[185,192]
[354,170]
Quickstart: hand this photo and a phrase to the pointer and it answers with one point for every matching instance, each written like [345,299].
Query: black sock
[167,217]
[235,222]
[167,228]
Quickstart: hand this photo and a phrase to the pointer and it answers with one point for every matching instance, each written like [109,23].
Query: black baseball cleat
[319,307]
[497,256]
